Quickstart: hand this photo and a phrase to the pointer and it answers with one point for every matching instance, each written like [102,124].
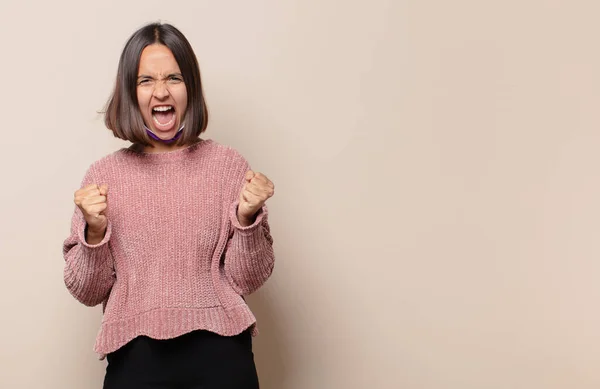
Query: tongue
[164,117]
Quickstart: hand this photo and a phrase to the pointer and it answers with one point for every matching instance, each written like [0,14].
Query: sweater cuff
[81,235]
[260,216]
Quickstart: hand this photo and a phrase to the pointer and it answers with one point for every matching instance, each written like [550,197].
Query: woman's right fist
[92,202]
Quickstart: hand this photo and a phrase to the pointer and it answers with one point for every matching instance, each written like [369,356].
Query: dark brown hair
[122,114]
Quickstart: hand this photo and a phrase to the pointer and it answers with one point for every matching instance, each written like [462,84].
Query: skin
[160,83]
[256,191]
[92,202]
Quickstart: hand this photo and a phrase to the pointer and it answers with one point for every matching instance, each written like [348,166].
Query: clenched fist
[92,202]
[257,189]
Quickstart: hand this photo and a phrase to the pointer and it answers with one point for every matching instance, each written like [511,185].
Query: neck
[162,148]
[163,145]
[157,148]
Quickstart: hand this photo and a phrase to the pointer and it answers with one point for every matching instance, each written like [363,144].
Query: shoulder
[106,165]
[109,160]
[227,162]
[222,153]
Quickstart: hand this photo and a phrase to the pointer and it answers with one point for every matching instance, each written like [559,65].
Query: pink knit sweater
[174,258]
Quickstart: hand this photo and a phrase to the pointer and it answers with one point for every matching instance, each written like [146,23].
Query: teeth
[162,108]
[163,125]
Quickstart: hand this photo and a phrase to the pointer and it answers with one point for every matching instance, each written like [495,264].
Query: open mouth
[163,116]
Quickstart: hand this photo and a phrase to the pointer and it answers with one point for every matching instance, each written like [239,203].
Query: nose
[160,90]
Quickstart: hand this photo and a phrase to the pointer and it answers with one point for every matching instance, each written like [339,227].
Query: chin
[166,135]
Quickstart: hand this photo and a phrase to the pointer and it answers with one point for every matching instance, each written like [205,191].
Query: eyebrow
[168,75]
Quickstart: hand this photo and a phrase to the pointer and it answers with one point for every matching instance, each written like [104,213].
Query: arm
[88,271]
[249,255]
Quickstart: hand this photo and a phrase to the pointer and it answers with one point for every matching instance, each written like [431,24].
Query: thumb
[104,190]
[249,175]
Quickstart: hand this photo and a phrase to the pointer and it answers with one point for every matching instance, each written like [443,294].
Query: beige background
[436,216]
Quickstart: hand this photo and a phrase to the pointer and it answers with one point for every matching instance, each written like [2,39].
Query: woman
[170,233]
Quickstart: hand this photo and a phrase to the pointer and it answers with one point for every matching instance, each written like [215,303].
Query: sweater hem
[168,323]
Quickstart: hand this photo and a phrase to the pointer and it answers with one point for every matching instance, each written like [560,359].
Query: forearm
[245,222]
[249,257]
[94,237]
[88,275]
[88,271]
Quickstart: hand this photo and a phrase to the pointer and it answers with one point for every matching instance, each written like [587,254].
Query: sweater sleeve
[88,272]
[249,255]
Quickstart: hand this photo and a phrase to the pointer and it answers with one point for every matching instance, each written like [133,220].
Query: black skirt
[197,360]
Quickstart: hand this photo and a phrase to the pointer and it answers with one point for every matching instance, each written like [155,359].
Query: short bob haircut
[122,114]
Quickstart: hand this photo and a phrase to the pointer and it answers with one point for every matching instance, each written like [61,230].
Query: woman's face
[161,92]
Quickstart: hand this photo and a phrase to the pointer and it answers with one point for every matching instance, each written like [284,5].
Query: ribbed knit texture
[174,258]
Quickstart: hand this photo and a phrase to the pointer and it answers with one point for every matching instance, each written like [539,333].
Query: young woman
[170,233]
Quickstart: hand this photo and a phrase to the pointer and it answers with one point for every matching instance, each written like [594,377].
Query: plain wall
[436,219]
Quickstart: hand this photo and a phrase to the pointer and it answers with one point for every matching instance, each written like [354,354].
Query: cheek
[183,106]
[143,98]
[143,104]
[181,98]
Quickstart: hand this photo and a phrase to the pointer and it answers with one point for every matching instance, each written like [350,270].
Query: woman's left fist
[256,191]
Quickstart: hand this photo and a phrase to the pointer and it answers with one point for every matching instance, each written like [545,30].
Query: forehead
[157,59]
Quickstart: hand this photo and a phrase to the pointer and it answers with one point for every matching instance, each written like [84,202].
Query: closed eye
[144,81]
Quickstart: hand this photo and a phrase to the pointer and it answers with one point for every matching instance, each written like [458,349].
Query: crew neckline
[166,156]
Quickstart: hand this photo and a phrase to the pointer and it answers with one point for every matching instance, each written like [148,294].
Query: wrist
[93,235]
[245,221]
